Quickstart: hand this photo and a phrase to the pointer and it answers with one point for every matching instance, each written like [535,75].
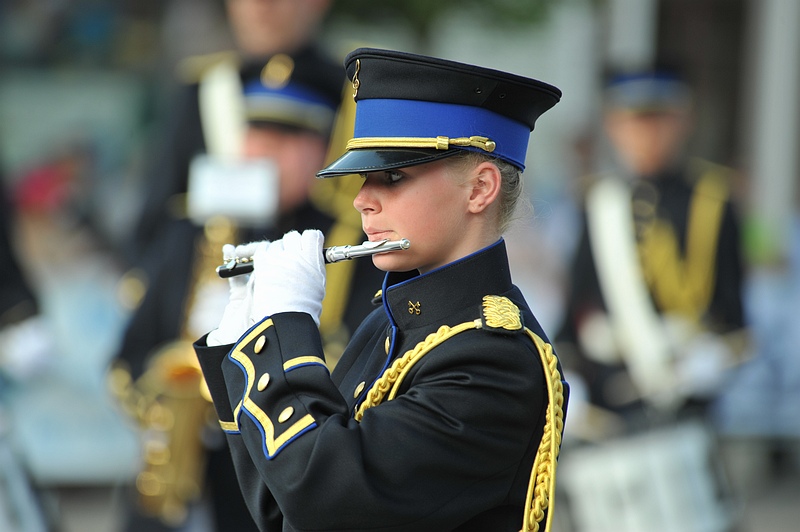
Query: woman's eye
[388,177]
[392,177]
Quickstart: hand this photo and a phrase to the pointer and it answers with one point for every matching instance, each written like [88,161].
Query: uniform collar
[412,300]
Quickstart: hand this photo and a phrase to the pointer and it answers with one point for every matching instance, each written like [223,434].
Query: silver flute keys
[242,265]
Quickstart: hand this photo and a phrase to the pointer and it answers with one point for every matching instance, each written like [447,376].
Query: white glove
[704,364]
[236,317]
[289,276]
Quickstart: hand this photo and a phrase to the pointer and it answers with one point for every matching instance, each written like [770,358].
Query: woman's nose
[365,199]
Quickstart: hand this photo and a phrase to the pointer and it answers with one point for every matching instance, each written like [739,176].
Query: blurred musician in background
[266,127]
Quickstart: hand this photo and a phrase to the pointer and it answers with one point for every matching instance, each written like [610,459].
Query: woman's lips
[375,235]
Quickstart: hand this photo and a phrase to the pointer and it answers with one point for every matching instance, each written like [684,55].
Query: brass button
[286,414]
[359,388]
[260,343]
[262,382]
[386,346]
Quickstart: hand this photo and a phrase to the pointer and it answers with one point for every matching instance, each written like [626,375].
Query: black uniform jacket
[674,190]
[452,450]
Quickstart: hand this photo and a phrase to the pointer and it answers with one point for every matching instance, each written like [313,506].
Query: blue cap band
[649,90]
[290,91]
[292,104]
[424,119]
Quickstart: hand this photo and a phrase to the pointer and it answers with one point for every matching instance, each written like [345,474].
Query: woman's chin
[390,262]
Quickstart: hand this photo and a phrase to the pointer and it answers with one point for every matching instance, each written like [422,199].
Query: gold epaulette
[500,314]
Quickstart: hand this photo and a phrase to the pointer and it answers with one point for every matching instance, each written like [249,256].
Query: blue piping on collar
[448,265]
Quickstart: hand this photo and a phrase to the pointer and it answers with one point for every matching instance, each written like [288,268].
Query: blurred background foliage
[423,15]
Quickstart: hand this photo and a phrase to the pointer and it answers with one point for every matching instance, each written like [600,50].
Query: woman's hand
[289,276]
[236,318]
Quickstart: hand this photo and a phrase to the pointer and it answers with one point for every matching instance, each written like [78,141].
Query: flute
[242,265]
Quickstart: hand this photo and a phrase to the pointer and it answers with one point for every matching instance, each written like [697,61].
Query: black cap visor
[363,161]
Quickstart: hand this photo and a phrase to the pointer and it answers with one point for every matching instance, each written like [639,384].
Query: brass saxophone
[172,405]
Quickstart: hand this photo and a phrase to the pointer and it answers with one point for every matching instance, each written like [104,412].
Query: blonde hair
[511,183]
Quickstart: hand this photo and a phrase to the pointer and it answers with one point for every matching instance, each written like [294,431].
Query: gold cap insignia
[277,72]
[356,81]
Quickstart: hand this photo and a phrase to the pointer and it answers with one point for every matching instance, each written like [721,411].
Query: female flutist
[446,410]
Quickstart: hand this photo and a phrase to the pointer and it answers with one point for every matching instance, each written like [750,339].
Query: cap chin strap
[439,143]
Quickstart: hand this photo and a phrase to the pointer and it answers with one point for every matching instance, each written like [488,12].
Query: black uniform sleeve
[159,317]
[167,173]
[584,288]
[268,517]
[727,310]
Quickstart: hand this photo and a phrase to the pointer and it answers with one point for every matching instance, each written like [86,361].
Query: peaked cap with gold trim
[300,90]
[648,91]
[413,109]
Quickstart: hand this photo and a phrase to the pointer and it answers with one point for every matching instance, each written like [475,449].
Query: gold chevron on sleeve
[272,444]
[299,361]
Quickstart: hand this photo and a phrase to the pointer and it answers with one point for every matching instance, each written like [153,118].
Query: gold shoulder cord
[499,312]
[335,196]
[542,483]
[685,284]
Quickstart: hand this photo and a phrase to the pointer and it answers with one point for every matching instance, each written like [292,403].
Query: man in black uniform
[260,29]
[163,246]
[290,104]
[684,233]
[654,317]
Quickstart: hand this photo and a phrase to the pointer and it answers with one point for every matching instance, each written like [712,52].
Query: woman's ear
[486,182]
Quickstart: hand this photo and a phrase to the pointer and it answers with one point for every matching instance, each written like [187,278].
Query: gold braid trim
[542,483]
[394,375]
[439,143]
[685,284]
